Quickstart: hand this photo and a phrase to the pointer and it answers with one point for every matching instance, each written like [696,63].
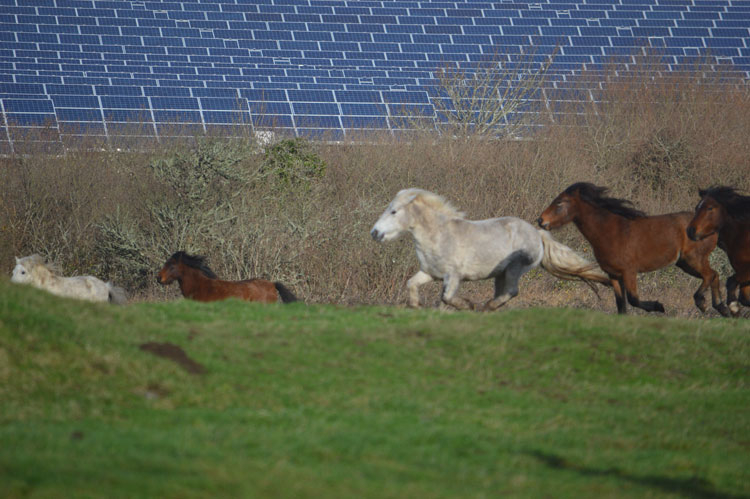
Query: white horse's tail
[564,263]
[117,294]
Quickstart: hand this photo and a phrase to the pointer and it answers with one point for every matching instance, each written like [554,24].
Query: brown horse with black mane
[723,211]
[627,242]
[198,282]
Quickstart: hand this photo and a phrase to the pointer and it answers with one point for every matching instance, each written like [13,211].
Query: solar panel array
[91,67]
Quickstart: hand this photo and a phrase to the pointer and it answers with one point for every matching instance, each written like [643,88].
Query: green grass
[326,401]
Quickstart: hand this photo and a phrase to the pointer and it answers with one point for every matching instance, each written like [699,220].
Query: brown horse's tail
[286,295]
[564,263]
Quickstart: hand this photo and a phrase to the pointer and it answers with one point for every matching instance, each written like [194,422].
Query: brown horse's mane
[594,194]
[737,205]
[194,261]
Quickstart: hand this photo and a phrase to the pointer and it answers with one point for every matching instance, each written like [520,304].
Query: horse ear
[18,260]
[702,192]
[411,198]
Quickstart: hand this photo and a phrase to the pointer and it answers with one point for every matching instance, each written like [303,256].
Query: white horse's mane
[31,262]
[432,201]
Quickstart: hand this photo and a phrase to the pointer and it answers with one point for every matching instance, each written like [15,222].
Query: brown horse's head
[175,267]
[570,203]
[560,212]
[169,272]
[708,219]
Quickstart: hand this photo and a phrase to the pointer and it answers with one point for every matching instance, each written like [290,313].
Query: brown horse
[198,282]
[724,211]
[627,242]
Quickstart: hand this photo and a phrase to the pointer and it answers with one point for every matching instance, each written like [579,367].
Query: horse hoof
[701,304]
[734,307]
[724,310]
[481,307]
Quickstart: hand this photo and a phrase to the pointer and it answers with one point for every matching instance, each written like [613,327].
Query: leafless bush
[497,98]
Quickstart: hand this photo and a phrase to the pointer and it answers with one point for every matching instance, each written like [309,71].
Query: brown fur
[196,282]
[626,242]
[715,215]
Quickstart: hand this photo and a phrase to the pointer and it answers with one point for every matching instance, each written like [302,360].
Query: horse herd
[625,242]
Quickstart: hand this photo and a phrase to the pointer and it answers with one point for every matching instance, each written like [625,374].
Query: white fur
[33,270]
[734,307]
[454,249]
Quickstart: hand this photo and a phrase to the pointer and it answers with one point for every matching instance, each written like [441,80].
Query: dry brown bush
[654,142]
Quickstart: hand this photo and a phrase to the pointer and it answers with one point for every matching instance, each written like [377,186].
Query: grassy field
[330,401]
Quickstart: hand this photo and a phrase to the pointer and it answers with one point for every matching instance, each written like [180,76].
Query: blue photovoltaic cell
[226,117]
[174,103]
[219,104]
[272,121]
[317,121]
[177,116]
[405,97]
[28,106]
[125,102]
[364,122]
[363,109]
[166,91]
[127,115]
[66,114]
[21,89]
[80,101]
[30,119]
[315,108]
[275,108]
[264,95]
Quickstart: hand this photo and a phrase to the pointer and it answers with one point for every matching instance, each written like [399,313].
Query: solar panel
[309,65]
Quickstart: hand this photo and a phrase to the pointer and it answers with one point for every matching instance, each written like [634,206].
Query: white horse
[454,249]
[33,270]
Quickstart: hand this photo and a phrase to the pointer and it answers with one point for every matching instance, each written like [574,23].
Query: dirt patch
[175,353]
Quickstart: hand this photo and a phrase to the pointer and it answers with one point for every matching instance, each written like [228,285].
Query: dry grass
[654,142]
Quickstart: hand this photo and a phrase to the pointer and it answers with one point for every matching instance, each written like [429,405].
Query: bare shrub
[496,98]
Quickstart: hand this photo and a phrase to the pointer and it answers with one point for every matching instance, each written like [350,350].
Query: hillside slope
[233,399]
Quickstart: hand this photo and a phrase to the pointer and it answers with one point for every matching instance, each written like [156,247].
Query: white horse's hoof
[734,307]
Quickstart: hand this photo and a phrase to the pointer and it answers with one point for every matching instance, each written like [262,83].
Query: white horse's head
[21,274]
[31,270]
[402,213]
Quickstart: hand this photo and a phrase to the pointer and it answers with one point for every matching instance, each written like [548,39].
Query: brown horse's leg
[620,298]
[702,270]
[743,280]
[745,294]
[716,300]
[732,286]
[631,288]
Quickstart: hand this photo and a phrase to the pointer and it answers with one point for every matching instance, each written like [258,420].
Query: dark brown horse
[627,242]
[198,282]
[725,212]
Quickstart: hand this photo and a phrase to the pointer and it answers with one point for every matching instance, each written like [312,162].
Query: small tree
[491,99]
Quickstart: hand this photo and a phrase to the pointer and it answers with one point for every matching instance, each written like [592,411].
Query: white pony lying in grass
[33,270]
[454,249]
